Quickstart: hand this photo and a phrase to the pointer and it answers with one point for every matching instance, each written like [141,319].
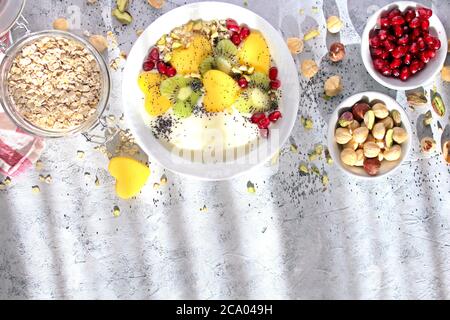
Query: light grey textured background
[292,239]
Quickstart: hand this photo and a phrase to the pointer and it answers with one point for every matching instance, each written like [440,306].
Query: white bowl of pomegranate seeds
[404,45]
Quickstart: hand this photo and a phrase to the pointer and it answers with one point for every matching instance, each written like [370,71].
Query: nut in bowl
[404,45]
[369,135]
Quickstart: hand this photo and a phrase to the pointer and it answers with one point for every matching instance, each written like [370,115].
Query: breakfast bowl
[54,84]
[371,144]
[182,112]
[410,49]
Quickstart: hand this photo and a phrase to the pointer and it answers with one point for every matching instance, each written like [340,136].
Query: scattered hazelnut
[346,119]
[348,157]
[343,135]
[337,52]
[157,4]
[99,42]
[388,123]
[371,149]
[393,154]
[372,166]
[359,110]
[359,158]
[400,135]
[295,45]
[333,86]
[61,24]
[309,68]
[334,24]
[379,131]
[446,151]
[445,73]
[428,145]
[360,134]
[380,110]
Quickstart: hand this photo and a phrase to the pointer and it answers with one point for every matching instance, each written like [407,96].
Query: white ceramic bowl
[387,167]
[421,78]
[133,98]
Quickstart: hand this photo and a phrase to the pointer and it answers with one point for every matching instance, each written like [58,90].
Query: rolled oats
[55,83]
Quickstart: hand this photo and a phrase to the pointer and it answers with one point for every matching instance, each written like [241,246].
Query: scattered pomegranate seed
[275,84]
[273,73]
[264,133]
[148,65]
[264,123]
[257,117]
[244,33]
[154,55]
[236,39]
[232,25]
[162,67]
[275,116]
[171,72]
[243,83]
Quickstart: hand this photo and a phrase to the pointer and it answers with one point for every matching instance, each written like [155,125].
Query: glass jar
[19,120]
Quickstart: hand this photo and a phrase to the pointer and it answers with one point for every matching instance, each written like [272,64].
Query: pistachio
[346,119]
[359,158]
[371,150]
[360,134]
[427,145]
[379,131]
[369,119]
[427,119]
[393,154]
[388,122]
[343,135]
[397,117]
[380,110]
[354,125]
[176,45]
[400,135]
[438,104]
[416,99]
[122,5]
[122,17]
[352,144]
[348,157]
[389,139]
[303,168]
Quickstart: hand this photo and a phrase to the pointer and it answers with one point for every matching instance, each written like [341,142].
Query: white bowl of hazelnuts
[369,135]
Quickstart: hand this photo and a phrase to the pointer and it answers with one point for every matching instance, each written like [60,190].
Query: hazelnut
[446,151]
[337,52]
[371,149]
[372,166]
[61,24]
[379,131]
[295,45]
[380,110]
[346,119]
[388,123]
[333,86]
[343,135]
[309,68]
[352,144]
[359,110]
[99,42]
[360,134]
[334,24]
[393,154]
[400,135]
[427,145]
[359,158]
[348,156]
[445,73]
[354,125]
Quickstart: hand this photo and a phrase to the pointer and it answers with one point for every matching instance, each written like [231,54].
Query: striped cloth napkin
[18,149]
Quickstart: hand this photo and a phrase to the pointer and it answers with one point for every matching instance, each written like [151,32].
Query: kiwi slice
[259,80]
[243,104]
[208,64]
[225,55]
[183,93]
[255,98]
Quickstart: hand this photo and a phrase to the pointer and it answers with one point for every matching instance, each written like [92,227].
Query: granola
[55,83]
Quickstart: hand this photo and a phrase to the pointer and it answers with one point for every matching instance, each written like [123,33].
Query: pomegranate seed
[149,65]
[162,67]
[397,21]
[436,45]
[382,34]
[391,37]
[398,31]
[403,40]
[421,65]
[414,23]
[388,45]
[386,71]
[275,84]
[395,63]
[429,39]
[378,63]
[375,42]
[431,54]
[236,39]
[394,13]
[404,74]
[385,22]
[414,48]
[409,15]
[425,24]
[416,33]
[257,117]
[275,116]
[421,44]
[264,133]
[385,54]
[415,66]
[243,83]
[424,12]
[424,57]
[232,25]
[376,52]
[399,52]
[407,59]
[244,33]
[264,123]
[154,55]
[395,73]
[171,72]
[273,73]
